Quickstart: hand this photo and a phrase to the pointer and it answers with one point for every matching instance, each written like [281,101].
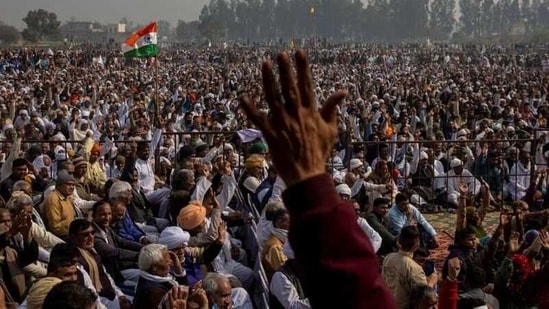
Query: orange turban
[191,216]
[96,148]
[254,160]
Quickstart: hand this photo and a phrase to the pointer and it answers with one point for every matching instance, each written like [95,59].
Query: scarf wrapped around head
[96,148]
[174,237]
[254,160]
[191,216]
[41,161]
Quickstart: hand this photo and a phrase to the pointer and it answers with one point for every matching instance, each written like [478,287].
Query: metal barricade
[487,160]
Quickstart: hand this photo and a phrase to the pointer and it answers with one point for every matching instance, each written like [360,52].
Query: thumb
[328,110]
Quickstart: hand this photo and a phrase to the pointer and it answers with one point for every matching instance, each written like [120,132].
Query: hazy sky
[104,11]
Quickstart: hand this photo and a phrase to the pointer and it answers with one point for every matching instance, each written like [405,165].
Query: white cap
[355,163]
[455,162]
[343,189]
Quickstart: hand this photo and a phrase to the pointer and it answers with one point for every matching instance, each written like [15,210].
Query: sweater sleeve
[321,231]
[448,295]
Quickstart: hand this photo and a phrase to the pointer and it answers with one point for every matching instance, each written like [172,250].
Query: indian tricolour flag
[141,43]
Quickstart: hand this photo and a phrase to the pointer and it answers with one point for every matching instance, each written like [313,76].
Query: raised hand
[178,267]
[544,239]
[463,189]
[178,297]
[514,243]
[454,266]
[198,299]
[227,169]
[503,218]
[485,184]
[300,137]
[221,233]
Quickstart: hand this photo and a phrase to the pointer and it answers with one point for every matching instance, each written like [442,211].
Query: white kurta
[454,181]
[519,180]
[373,235]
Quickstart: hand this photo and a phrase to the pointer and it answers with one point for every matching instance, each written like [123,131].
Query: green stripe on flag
[144,51]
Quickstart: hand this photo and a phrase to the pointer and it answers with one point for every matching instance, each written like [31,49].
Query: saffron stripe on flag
[139,33]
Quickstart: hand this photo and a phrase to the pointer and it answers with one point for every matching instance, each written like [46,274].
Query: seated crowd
[177,213]
[217,228]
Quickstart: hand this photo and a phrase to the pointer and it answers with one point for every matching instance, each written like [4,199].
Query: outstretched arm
[300,139]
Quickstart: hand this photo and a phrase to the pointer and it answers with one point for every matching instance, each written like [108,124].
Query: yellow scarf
[93,269]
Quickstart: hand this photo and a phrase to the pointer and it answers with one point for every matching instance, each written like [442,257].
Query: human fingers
[288,85]
[328,110]
[253,113]
[183,292]
[271,87]
[304,79]
[173,294]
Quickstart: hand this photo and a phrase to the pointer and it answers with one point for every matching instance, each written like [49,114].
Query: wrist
[293,179]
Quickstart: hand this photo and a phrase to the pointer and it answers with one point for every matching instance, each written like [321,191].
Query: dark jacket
[291,271]
[149,294]
[117,253]
[6,186]
[388,240]
[139,208]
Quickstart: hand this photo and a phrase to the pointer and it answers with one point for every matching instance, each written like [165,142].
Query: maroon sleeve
[338,265]
[448,295]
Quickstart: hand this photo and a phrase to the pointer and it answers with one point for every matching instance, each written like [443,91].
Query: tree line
[252,21]
[352,20]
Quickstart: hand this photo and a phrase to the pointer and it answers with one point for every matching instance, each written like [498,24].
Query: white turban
[423,155]
[455,162]
[174,237]
[343,189]
[61,156]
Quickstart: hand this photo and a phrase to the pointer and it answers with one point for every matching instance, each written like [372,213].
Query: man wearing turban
[95,174]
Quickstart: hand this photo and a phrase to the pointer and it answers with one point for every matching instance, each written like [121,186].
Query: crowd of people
[140,183]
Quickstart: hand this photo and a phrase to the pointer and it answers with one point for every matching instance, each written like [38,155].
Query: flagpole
[156,103]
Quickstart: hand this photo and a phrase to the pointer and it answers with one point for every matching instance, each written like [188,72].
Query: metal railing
[493,163]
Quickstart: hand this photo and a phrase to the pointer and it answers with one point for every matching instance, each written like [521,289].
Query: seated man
[122,223]
[400,272]
[81,234]
[59,208]
[20,171]
[119,254]
[124,226]
[21,204]
[155,280]
[374,238]
[191,259]
[63,266]
[15,255]
[403,214]
[23,187]
[139,207]
[70,295]
[222,295]
[285,286]
[378,221]
[457,175]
